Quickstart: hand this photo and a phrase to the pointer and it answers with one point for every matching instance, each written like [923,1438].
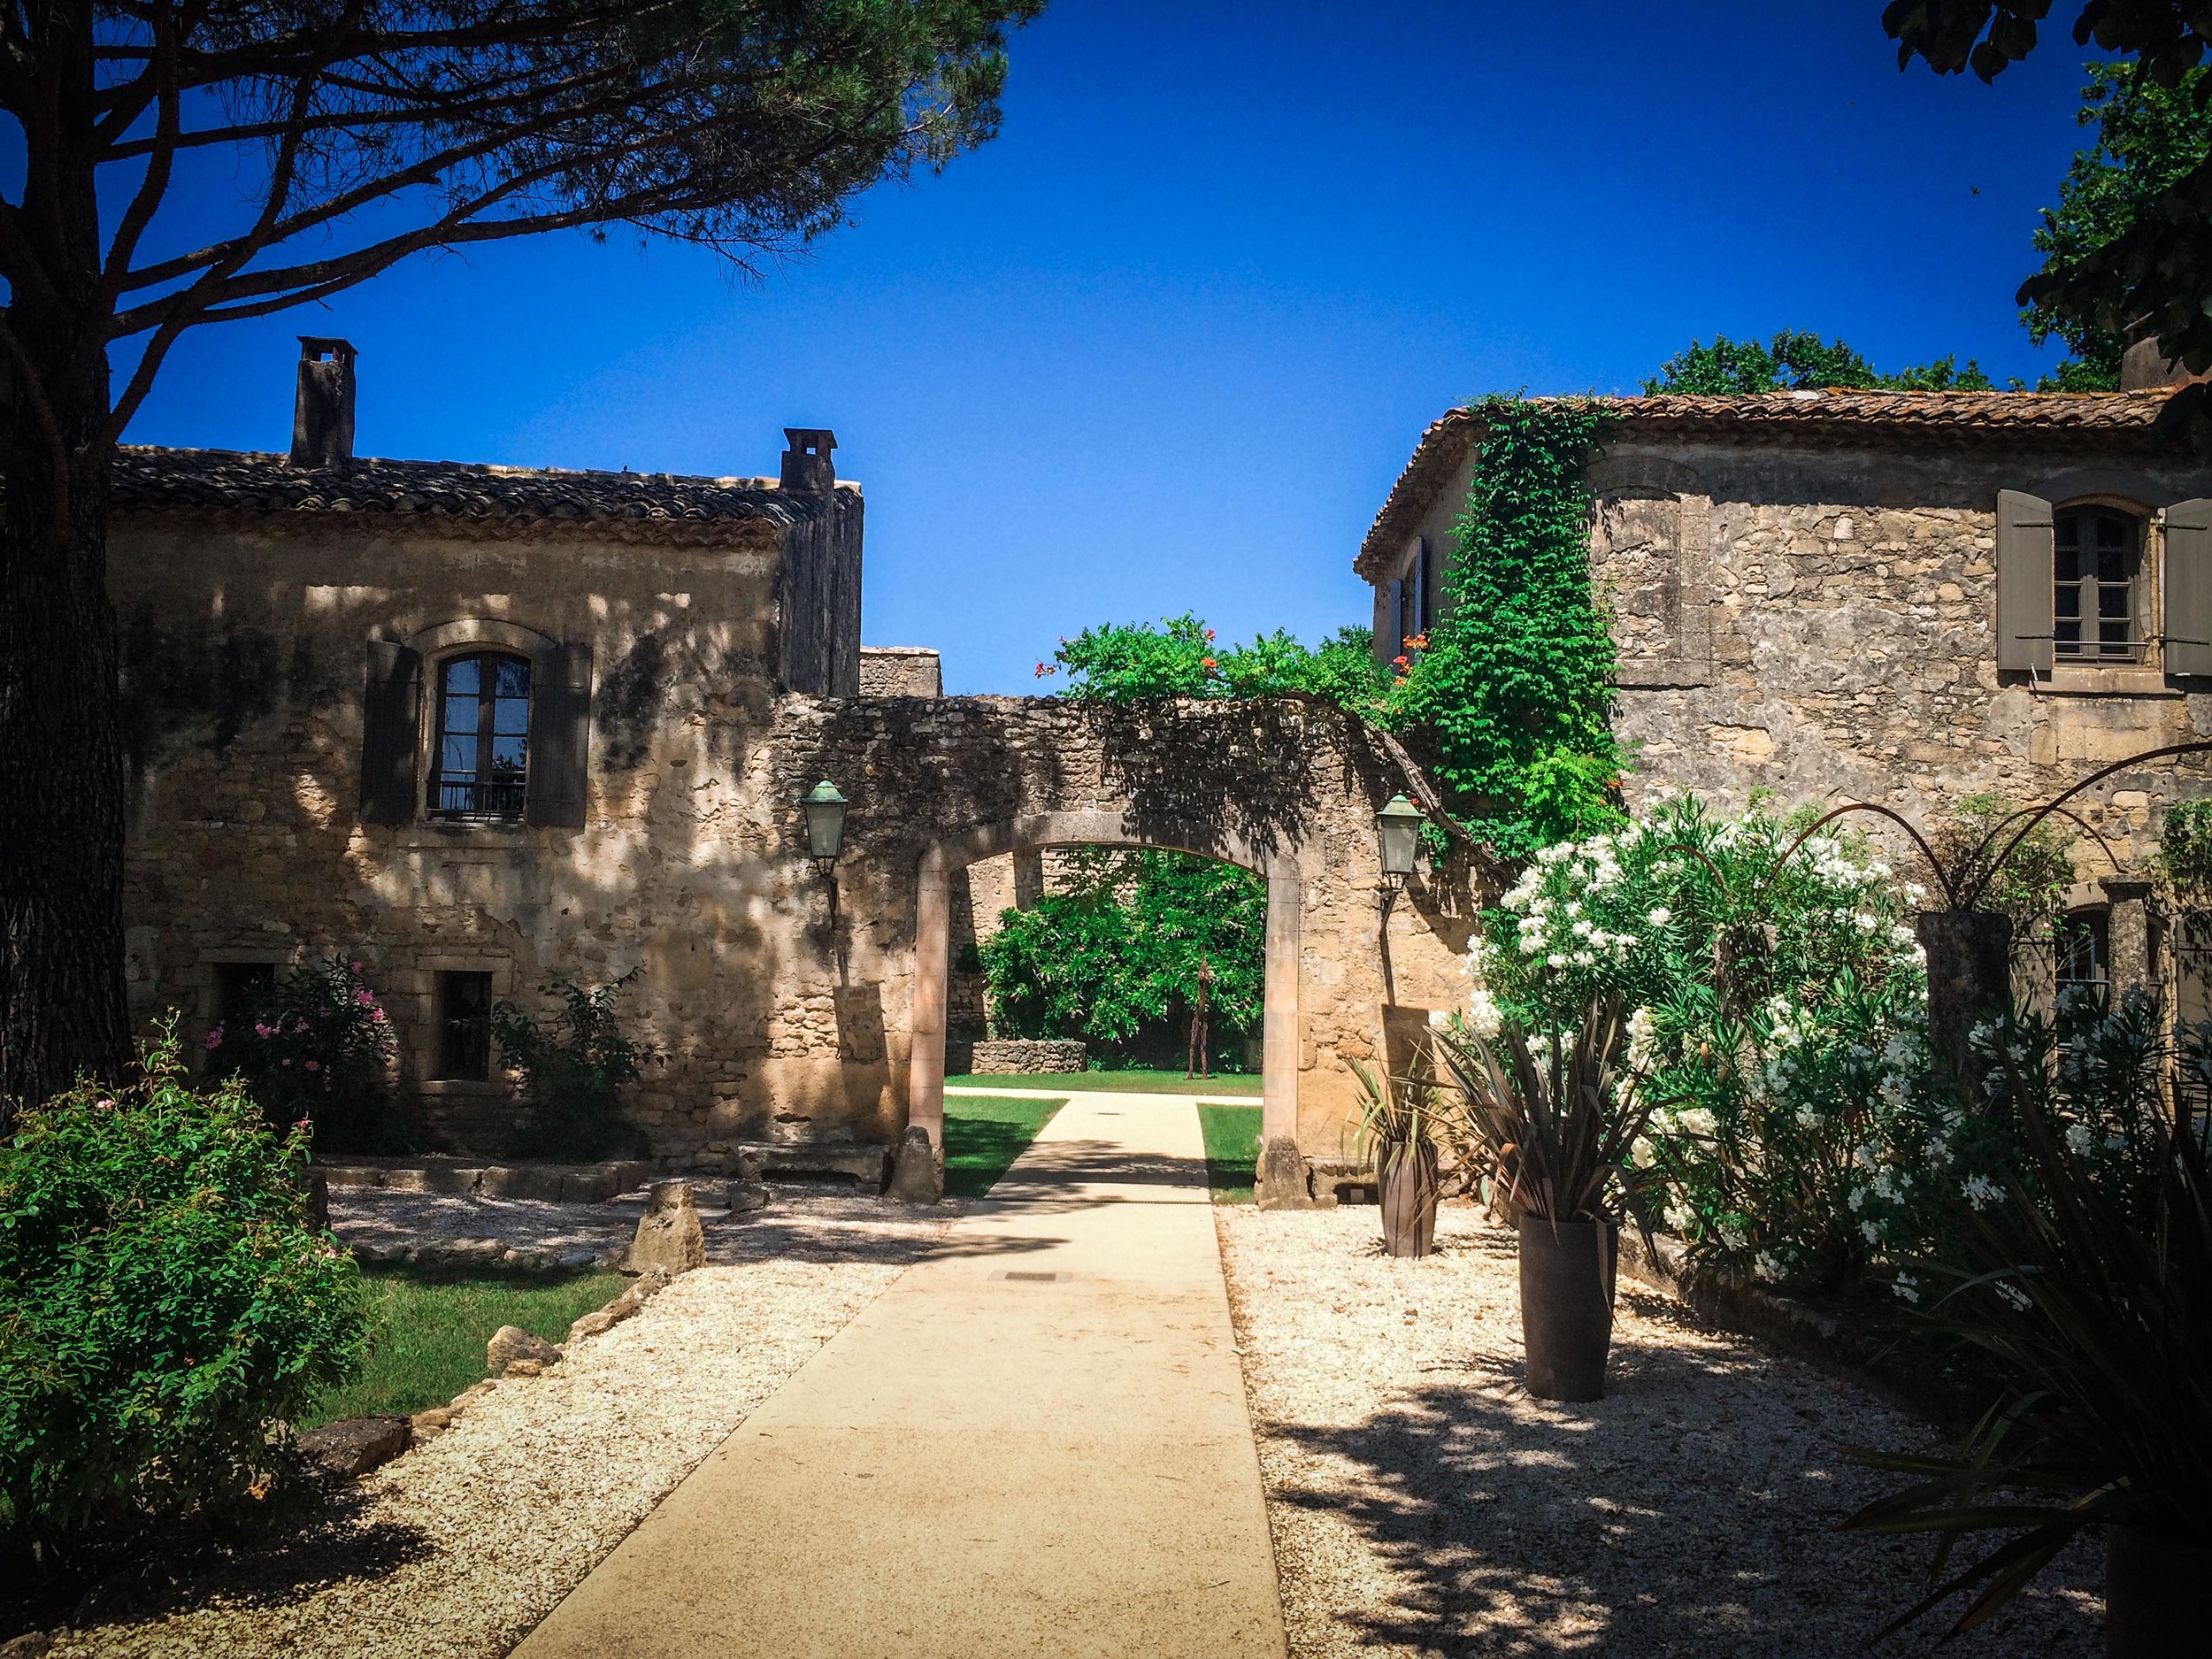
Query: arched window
[480,757]
[2097,592]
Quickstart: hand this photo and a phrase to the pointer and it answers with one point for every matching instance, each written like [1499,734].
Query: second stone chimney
[322,410]
[808,468]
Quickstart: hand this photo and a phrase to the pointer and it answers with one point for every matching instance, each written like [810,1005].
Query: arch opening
[933,939]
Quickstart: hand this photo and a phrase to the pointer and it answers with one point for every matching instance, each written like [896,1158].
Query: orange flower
[1401,664]
[1209,633]
[1209,664]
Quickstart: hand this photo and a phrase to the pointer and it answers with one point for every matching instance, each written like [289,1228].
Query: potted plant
[1397,1134]
[2084,1271]
[1554,1119]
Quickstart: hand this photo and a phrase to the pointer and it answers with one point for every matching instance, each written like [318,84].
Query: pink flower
[377,1015]
[262,1031]
[355,966]
[288,1060]
[215,1038]
[364,999]
[312,1065]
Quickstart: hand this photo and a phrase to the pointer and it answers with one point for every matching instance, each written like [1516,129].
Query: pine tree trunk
[62,1006]
[61,780]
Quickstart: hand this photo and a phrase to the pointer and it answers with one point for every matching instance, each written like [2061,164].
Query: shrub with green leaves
[1774,1004]
[316,1048]
[2184,849]
[572,1063]
[161,1303]
[2029,886]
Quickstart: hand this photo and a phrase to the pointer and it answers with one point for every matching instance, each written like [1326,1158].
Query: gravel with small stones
[1423,1503]
[460,1547]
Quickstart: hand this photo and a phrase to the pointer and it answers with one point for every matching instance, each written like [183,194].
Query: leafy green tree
[2153,274]
[353,136]
[2149,136]
[1126,661]
[1119,951]
[572,1063]
[1799,361]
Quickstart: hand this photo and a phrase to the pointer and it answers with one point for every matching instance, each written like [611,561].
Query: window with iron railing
[481,759]
[2097,561]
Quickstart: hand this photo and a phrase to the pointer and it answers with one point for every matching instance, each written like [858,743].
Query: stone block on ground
[452,1177]
[668,1237]
[522,1180]
[918,1177]
[349,1447]
[510,1345]
[588,1187]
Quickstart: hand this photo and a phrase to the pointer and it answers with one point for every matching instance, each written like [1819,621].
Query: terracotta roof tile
[1842,418]
[450,494]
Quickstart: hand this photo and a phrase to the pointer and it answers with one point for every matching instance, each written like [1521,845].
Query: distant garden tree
[354,133]
[1801,361]
[2153,276]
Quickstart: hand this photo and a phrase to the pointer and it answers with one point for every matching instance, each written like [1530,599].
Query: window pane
[511,717]
[513,677]
[507,753]
[2066,600]
[464,1025]
[2068,561]
[460,676]
[2112,600]
[2112,565]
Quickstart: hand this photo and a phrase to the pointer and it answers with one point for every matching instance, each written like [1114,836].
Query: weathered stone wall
[1821,624]
[1019,1056]
[247,651]
[900,670]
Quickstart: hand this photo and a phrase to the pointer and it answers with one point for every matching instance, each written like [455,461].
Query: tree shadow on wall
[1655,1523]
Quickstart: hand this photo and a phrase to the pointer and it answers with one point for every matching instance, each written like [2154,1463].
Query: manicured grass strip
[1232,1150]
[983,1137]
[1117,1082]
[429,1332]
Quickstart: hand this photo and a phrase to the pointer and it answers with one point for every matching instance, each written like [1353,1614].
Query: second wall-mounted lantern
[1399,825]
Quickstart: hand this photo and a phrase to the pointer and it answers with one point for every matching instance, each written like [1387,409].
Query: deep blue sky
[1165,343]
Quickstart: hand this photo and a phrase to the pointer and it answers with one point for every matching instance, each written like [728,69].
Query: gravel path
[1422,1503]
[459,1548]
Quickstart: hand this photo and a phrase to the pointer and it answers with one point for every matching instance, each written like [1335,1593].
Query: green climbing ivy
[1513,690]
[1510,691]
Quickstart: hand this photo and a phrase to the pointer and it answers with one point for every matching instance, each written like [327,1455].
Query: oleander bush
[317,1049]
[1777,1021]
[163,1307]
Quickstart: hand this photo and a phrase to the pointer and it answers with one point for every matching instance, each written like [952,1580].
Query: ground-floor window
[465,1026]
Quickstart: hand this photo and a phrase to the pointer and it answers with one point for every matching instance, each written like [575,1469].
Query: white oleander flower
[2077,1137]
[1905,1285]
[1981,1192]
[1659,916]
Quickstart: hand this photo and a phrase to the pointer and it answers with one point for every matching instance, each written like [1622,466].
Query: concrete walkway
[1034,1443]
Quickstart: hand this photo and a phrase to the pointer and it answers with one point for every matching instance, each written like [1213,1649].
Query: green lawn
[1232,1150]
[1232,1083]
[429,1332]
[984,1136]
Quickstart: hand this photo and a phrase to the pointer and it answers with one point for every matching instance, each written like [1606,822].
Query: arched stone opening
[933,939]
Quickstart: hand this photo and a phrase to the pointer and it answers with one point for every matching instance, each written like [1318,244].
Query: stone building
[1899,597]
[478,727]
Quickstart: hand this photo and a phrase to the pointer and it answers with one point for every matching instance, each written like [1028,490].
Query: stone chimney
[808,468]
[322,411]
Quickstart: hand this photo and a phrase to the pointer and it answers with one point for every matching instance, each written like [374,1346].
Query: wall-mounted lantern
[1399,824]
[825,811]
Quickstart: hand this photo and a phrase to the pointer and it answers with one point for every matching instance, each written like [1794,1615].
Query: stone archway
[933,938]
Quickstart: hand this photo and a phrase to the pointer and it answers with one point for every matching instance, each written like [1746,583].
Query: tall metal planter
[1406,1182]
[1568,1271]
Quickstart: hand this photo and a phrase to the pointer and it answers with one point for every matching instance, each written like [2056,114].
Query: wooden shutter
[2023,580]
[2188,538]
[554,787]
[1393,642]
[390,713]
[1426,559]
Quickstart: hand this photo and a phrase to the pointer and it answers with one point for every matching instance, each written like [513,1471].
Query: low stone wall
[1017,1057]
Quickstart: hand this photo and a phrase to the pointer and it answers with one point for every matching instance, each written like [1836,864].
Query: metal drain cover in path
[1015,1276]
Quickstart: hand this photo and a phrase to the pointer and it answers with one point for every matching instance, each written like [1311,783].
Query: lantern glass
[1399,824]
[824,822]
